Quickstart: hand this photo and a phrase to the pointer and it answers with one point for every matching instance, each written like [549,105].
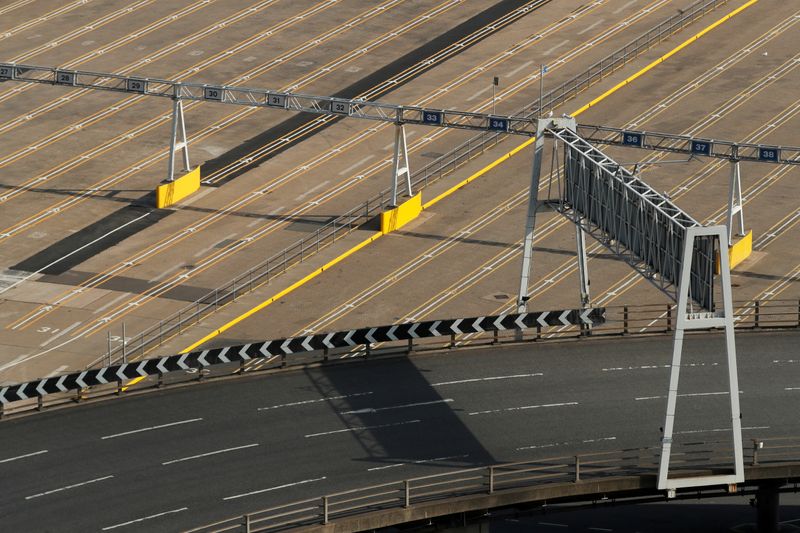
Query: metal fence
[342,225]
[620,321]
[406,493]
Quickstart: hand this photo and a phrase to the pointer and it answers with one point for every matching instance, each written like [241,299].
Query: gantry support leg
[400,164]
[735,206]
[530,221]
[688,321]
[533,203]
[583,266]
[178,128]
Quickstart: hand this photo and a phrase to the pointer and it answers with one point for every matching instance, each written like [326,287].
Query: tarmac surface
[86,254]
[302,433]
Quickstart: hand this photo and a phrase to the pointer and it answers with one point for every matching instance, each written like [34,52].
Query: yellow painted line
[666,56]
[286,291]
[132,382]
[471,178]
[597,100]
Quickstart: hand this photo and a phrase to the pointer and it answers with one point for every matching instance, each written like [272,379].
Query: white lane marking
[477,94]
[552,524]
[305,402]
[567,443]
[650,367]
[75,251]
[22,456]
[57,371]
[109,304]
[791,388]
[391,407]
[172,269]
[622,8]
[591,27]
[522,408]
[491,378]
[311,190]
[199,456]
[599,529]
[418,462]
[554,48]
[685,395]
[362,428]
[409,134]
[522,66]
[60,333]
[145,518]
[150,428]
[274,488]
[356,165]
[67,487]
[693,431]
[779,361]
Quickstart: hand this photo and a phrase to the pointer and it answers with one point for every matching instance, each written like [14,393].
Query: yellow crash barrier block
[172,193]
[738,251]
[396,218]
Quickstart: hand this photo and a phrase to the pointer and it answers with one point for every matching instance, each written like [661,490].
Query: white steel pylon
[688,321]
[533,203]
[735,201]
[178,127]
[400,164]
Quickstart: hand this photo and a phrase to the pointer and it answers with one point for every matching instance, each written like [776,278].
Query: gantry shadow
[399,418]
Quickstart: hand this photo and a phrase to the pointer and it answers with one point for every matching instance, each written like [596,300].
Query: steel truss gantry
[384,112]
[663,243]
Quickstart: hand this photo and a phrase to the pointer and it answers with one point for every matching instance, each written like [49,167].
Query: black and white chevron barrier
[294,345]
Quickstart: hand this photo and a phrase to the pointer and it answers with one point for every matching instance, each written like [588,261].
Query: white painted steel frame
[689,321]
[178,129]
[735,203]
[400,164]
[630,218]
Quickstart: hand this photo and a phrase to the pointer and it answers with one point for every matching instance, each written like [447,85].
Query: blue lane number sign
[768,154]
[212,93]
[135,85]
[701,147]
[632,139]
[432,117]
[498,124]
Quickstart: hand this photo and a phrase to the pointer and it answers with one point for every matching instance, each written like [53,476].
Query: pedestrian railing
[368,342]
[686,458]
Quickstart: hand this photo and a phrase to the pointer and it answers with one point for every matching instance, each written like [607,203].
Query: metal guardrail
[620,321]
[407,493]
[344,224]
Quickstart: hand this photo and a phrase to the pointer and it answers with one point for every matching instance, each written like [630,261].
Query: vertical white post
[178,127]
[735,200]
[583,266]
[530,221]
[400,164]
[704,320]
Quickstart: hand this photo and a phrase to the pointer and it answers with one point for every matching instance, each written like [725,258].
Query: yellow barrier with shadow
[173,192]
[738,252]
[399,216]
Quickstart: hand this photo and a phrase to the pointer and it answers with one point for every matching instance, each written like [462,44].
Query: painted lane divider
[295,345]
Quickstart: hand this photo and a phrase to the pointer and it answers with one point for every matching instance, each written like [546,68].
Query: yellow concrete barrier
[401,215]
[172,193]
[738,251]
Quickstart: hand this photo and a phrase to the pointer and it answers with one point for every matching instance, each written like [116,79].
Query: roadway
[59,320]
[186,456]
